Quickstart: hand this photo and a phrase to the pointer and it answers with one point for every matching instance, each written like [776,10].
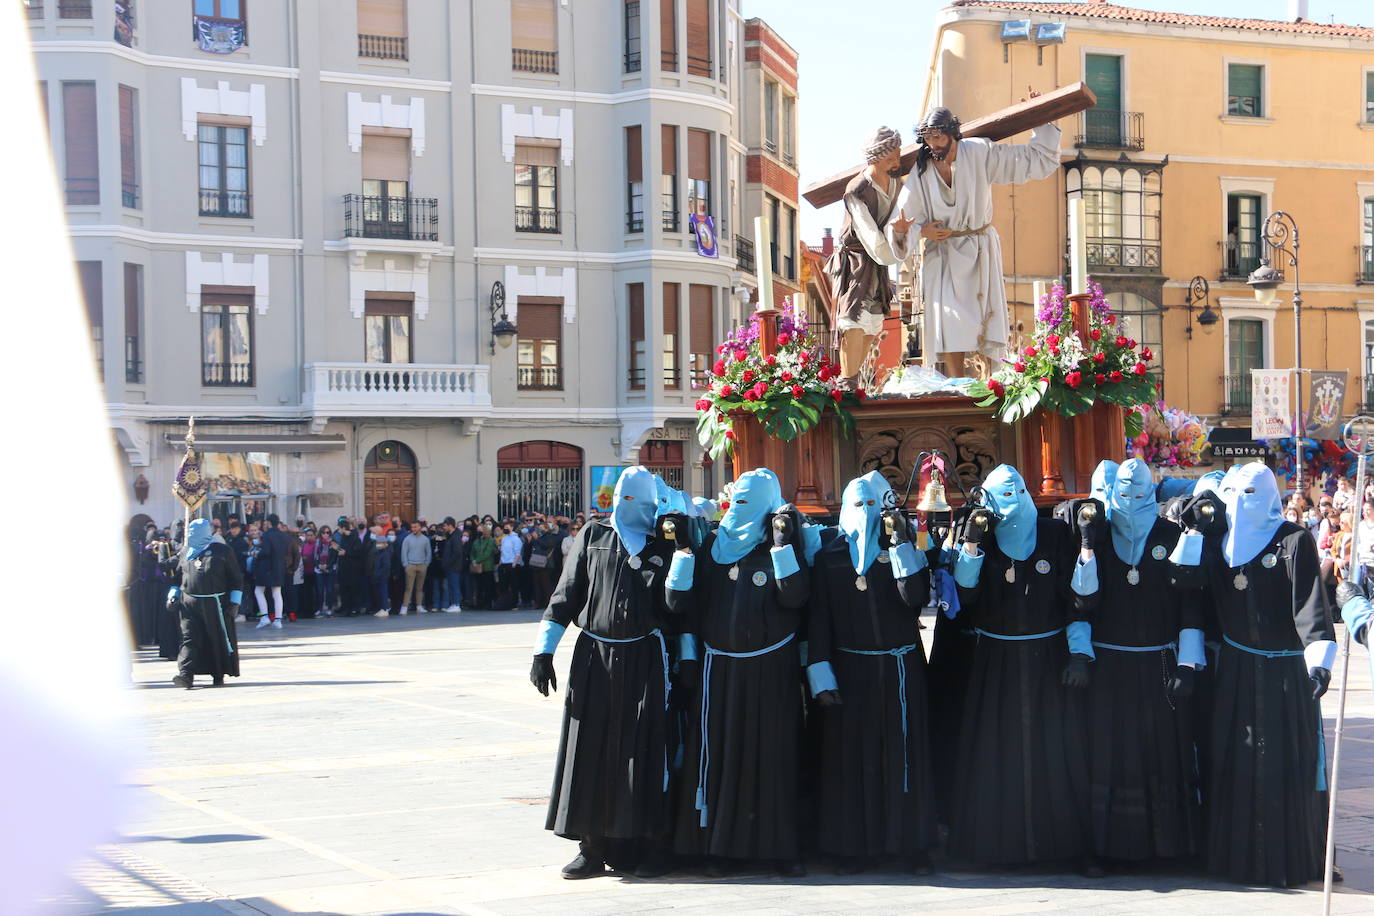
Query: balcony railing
[634,221]
[636,379]
[238,204]
[133,362]
[1123,255]
[671,378]
[1364,389]
[744,254]
[129,194]
[668,61]
[672,222]
[536,219]
[384,47]
[373,217]
[530,61]
[1105,128]
[699,66]
[395,389]
[226,375]
[539,378]
[73,9]
[1366,272]
[1237,390]
[1239,259]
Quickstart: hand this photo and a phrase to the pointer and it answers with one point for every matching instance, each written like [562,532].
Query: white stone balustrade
[397,390]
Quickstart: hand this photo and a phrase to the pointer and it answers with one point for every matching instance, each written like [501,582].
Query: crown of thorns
[940,120]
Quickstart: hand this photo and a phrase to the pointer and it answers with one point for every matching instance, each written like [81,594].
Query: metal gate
[550,491]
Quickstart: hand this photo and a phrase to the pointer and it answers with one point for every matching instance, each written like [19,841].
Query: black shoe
[920,864]
[182,680]
[1092,868]
[791,868]
[583,867]
[654,866]
[850,865]
[720,868]
[219,680]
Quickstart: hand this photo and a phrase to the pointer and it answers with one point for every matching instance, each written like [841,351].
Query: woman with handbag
[482,566]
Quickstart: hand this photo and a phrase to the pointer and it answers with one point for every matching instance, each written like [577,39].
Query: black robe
[168,621]
[875,793]
[147,594]
[951,661]
[209,639]
[610,780]
[753,706]
[1265,815]
[1142,765]
[1021,782]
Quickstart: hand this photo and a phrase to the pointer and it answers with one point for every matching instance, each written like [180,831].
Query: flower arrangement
[1171,437]
[788,391]
[1068,372]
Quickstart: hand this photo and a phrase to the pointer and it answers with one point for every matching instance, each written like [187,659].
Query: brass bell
[669,530]
[1088,512]
[933,498]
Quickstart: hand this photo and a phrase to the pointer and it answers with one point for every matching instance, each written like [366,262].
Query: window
[632,38]
[672,371]
[539,351]
[382,29]
[1242,246]
[770,116]
[671,219]
[133,323]
[667,31]
[703,333]
[73,9]
[81,145]
[88,273]
[34,9]
[220,26]
[1367,396]
[1102,124]
[635,299]
[1143,320]
[788,112]
[1367,242]
[634,179]
[1122,215]
[534,36]
[699,172]
[788,268]
[1369,97]
[224,171]
[699,37]
[386,185]
[539,476]
[774,210]
[536,186]
[1244,88]
[386,327]
[1247,352]
[128,146]
[226,340]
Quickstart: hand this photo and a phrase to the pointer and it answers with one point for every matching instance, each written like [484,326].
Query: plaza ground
[401,766]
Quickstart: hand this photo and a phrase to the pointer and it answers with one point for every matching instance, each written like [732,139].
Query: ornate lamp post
[1199,291]
[503,329]
[1280,234]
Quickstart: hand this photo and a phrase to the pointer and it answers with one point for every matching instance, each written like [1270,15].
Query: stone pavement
[401,766]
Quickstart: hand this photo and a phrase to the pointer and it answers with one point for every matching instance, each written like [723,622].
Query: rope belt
[1263,653]
[898,653]
[1044,635]
[667,682]
[704,756]
[219,615]
[1115,648]
[960,233]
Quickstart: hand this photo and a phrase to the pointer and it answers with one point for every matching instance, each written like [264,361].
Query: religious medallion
[656,560]
[1240,581]
[1269,561]
[884,558]
[1159,552]
[1133,577]
[198,564]
[636,562]
[861,584]
[760,578]
[1042,566]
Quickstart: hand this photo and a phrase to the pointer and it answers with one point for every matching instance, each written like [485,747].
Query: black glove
[1180,683]
[829,698]
[679,525]
[688,675]
[1076,672]
[784,526]
[1090,518]
[542,675]
[1173,509]
[979,523]
[1199,518]
[1321,679]
[1345,591]
[232,610]
[901,529]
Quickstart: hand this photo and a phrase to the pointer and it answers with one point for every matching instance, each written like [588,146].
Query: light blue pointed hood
[1016,516]
[1102,478]
[669,500]
[634,507]
[198,537]
[756,495]
[1251,517]
[861,517]
[1171,487]
[702,507]
[1209,482]
[1132,510]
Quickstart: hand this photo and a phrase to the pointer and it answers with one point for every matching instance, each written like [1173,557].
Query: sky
[862,64]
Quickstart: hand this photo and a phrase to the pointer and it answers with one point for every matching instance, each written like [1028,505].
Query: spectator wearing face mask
[379,569]
[270,572]
[509,555]
[452,559]
[327,554]
[481,564]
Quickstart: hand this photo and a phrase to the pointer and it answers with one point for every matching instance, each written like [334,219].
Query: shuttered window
[538,354]
[668,185]
[667,31]
[1244,91]
[534,36]
[703,333]
[699,171]
[672,371]
[536,186]
[386,157]
[128,146]
[133,323]
[92,293]
[635,298]
[382,17]
[699,37]
[634,179]
[81,147]
[632,40]
[226,339]
[1368,97]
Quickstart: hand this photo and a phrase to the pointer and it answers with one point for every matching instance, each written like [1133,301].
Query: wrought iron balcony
[671,378]
[1366,272]
[1133,256]
[129,195]
[236,204]
[384,47]
[1105,128]
[1236,390]
[744,254]
[133,362]
[1240,258]
[372,217]
[669,61]
[396,389]
[536,219]
[1364,389]
[530,61]
[539,378]
[636,379]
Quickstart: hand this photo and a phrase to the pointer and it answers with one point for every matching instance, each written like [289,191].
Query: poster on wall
[703,229]
[239,473]
[604,477]
[1324,413]
[1272,413]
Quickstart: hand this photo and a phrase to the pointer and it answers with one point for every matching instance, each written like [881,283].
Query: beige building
[304,223]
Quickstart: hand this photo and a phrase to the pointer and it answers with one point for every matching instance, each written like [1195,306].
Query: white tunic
[961,277]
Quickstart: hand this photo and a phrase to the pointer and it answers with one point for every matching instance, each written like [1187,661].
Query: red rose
[725,503]
[1052,341]
[703,404]
[861,394]
[751,395]
[1054,351]
[784,339]
[1073,379]
[1130,343]
[805,357]
[1099,378]
[1019,366]
[996,387]
[798,391]
[760,389]
[1121,341]
[1116,376]
[726,390]
[729,434]
[1030,351]
[1147,354]
[771,360]
[1138,368]
[837,395]
[1095,333]
[787,376]
[1099,358]
[740,355]
[718,369]
[748,376]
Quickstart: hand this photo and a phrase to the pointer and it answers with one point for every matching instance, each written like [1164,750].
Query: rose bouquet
[787,391]
[1068,372]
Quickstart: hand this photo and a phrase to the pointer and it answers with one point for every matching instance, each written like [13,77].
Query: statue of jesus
[948,195]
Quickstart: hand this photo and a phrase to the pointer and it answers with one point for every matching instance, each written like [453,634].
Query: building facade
[304,224]
[1203,127]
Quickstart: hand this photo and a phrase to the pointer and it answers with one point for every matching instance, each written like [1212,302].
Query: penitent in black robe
[738,794]
[875,792]
[1021,782]
[1265,813]
[610,780]
[209,639]
[1142,765]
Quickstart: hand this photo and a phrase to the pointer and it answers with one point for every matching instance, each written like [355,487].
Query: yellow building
[1203,127]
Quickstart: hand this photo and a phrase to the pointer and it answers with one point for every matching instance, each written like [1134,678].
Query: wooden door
[389,491]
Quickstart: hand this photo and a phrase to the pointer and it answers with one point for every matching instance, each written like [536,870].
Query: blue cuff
[784,562]
[967,568]
[549,635]
[906,560]
[682,571]
[173,592]
[1085,577]
[236,597]
[1190,650]
[1357,613]
[687,648]
[821,677]
[1188,552]
[811,542]
[1080,634]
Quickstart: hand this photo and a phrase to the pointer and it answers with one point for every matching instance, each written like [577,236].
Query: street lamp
[1199,291]
[1279,229]
[502,330]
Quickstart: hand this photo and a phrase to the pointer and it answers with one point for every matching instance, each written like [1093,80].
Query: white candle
[1038,293]
[1078,252]
[763,260]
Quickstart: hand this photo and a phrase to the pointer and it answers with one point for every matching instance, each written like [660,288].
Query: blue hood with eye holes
[1016,516]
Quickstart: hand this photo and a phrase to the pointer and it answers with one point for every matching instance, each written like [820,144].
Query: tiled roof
[1098,9]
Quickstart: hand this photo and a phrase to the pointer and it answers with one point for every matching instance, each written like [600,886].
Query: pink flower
[787,376]
[748,376]
[1019,366]
[1052,341]
[1121,342]
[726,390]
[771,360]
[703,404]
[729,434]
[741,355]
[718,370]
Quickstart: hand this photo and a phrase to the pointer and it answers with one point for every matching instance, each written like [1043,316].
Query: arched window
[1122,216]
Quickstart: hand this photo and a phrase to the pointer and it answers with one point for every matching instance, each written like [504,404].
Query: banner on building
[604,477]
[218,36]
[1271,407]
[1324,410]
[124,22]
[703,228]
